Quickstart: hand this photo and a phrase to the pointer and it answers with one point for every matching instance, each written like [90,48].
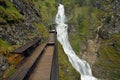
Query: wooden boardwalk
[25,67]
[41,64]
[43,68]
[51,38]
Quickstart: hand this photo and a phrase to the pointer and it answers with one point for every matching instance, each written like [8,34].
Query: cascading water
[62,35]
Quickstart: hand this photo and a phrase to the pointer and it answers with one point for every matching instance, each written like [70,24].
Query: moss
[10,13]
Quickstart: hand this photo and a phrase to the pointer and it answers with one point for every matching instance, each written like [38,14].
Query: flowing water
[62,35]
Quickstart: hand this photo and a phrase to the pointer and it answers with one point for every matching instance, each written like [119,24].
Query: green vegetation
[8,12]
[82,17]
[66,71]
[5,47]
[75,41]
[9,71]
[42,29]
[109,59]
[86,18]
[47,9]
[13,59]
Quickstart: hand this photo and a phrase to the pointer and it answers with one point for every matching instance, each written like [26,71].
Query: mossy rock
[9,13]
[108,64]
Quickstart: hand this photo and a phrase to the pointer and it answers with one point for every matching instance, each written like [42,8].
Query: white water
[62,35]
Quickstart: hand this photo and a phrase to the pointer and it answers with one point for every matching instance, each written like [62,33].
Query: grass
[66,71]
[42,29]
[9,13]
[85,18]
[80,18]
[75,41]
[5,47]
[13,59]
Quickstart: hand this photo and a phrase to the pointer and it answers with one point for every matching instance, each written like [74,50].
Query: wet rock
[4,64]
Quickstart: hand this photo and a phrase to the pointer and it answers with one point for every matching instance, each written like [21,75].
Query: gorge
[93,28]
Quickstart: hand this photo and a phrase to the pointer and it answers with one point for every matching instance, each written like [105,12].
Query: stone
[1,74]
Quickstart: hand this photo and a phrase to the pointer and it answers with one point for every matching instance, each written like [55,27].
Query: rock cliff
[20,22]
[21,30]
[94,32]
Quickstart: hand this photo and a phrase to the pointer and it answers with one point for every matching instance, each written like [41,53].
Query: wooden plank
[51,38]
[26,46]
[43,68]
[23,70]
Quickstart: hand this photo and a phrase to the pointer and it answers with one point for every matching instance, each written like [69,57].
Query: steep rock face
[107,65]
[111,23]
[27,9]
[21,31]
[96,34]
[17,18]
[20,22]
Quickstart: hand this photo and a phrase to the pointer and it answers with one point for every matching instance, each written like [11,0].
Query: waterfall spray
[62,35]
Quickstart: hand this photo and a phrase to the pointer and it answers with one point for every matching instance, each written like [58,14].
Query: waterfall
[62,35]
